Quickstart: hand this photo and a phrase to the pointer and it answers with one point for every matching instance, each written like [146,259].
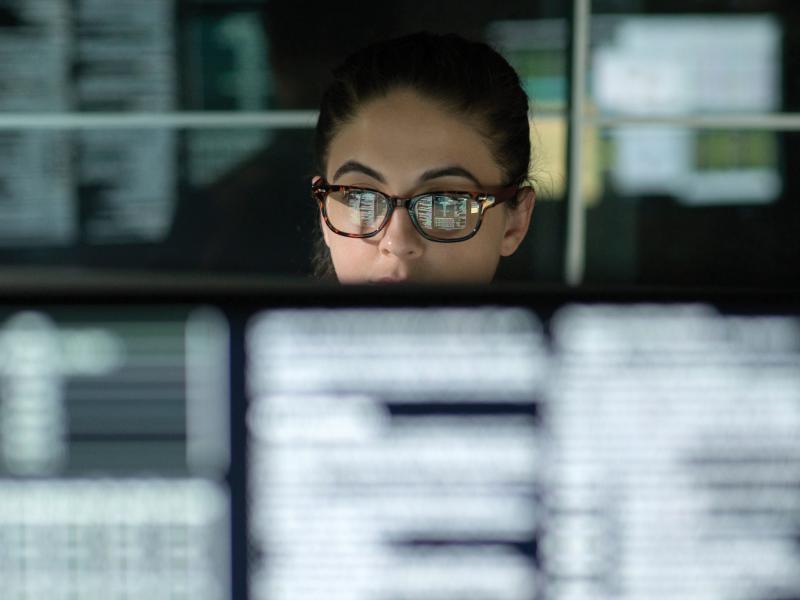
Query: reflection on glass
[683,206]
[673,66]
[684,203]
[695,167]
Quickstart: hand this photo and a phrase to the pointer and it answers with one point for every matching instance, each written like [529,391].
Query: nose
[400,238]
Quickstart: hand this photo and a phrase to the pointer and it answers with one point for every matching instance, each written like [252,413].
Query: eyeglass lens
[440,216]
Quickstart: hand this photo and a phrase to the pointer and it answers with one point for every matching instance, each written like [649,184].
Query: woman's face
[404,145]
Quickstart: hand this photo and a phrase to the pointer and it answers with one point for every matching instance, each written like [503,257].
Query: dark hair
[464,76]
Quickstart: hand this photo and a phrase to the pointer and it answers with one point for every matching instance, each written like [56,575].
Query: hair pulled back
[468,78]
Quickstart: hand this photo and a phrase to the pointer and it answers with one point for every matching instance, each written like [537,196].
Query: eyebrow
[452,171]
[353,166]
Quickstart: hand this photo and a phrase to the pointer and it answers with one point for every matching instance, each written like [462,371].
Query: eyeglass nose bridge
[398,202]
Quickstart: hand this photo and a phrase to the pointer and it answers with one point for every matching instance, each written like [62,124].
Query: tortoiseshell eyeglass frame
[486,200]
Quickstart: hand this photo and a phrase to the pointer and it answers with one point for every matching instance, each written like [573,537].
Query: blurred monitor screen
[499,446]
[111,484]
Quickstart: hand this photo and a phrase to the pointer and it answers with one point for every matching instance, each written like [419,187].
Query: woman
[423,152]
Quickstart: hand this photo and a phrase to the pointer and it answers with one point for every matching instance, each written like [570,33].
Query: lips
[389,279]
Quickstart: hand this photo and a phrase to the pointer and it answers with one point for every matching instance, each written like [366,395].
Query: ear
[518,220]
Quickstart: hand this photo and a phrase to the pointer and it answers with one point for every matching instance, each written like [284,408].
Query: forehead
[404,134]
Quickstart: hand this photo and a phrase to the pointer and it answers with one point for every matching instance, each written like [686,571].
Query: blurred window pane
[685,64]
[695,56]
[684,206]
[681,204]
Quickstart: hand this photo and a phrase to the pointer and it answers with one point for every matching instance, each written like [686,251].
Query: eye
[446,212]
[449,204]
[366,205]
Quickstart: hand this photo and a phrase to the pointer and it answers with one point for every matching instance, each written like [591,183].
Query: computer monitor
[503,443]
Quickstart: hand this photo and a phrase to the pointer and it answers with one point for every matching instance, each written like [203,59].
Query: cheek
[473,261]
[477,259]
[351,258]
[493,225]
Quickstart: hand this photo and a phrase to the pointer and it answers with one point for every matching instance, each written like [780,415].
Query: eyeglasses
[358,212]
